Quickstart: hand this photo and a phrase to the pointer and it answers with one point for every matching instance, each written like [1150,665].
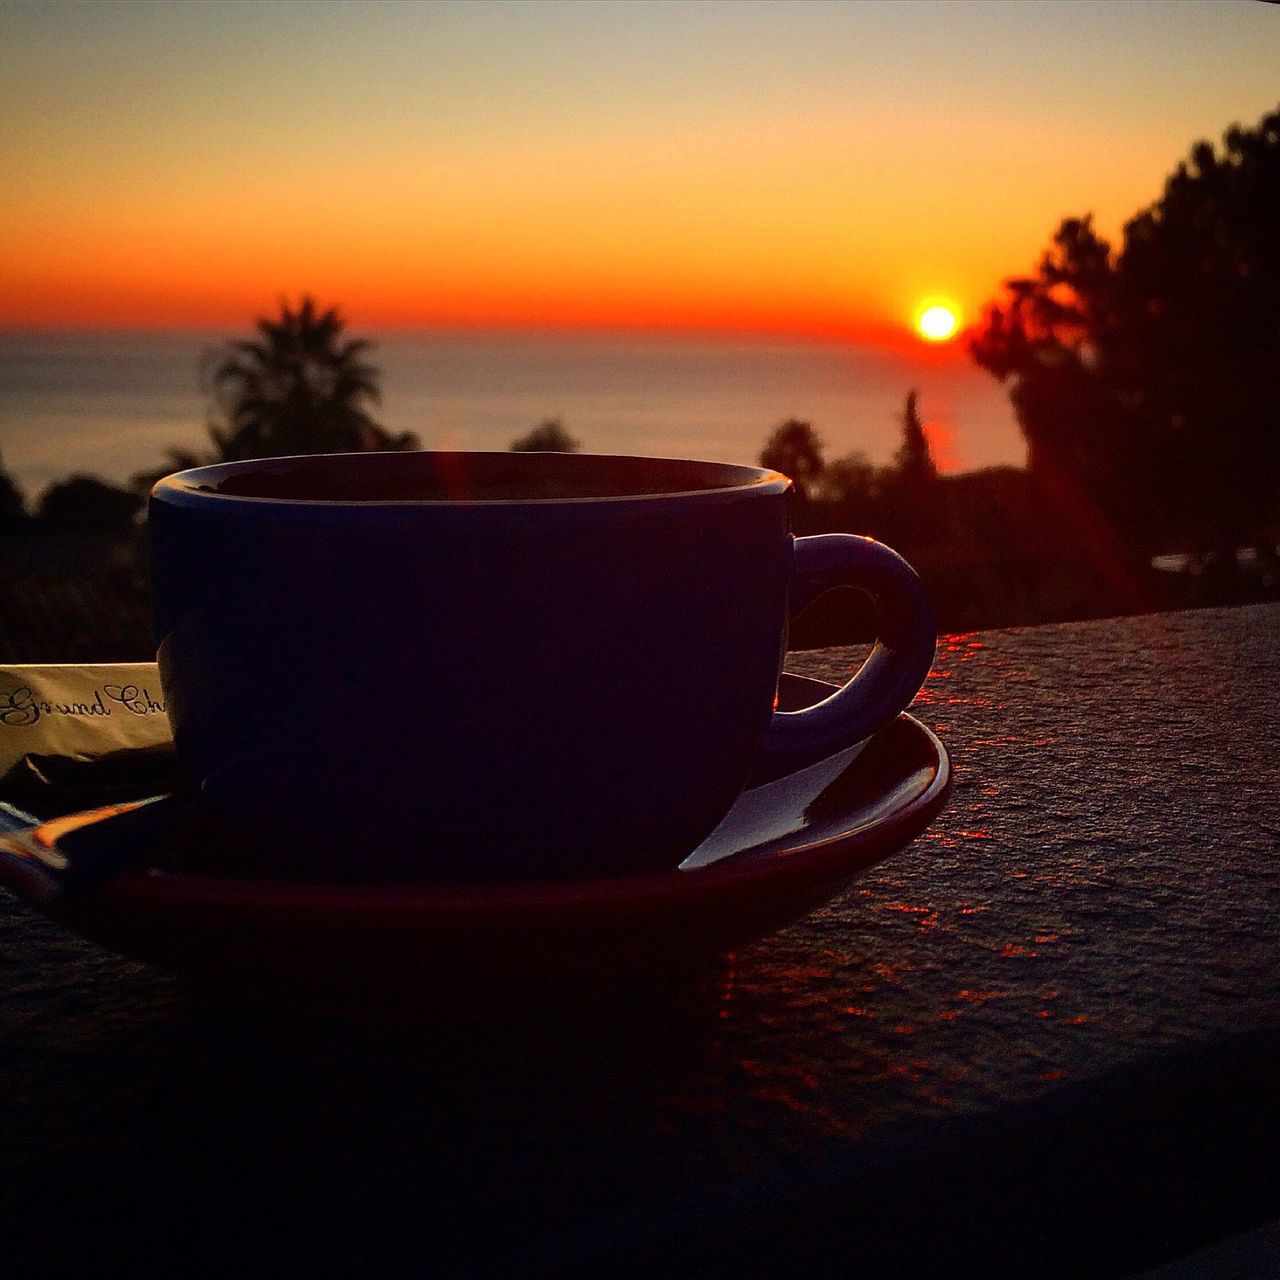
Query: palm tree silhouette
[298,387]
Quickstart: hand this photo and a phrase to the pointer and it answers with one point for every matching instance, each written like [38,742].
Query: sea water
[110,404]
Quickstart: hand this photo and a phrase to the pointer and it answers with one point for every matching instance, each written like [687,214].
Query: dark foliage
[299,386]
[13,503]
[1147,379]
[795,449]
[908,489]
[85,504]
[913,464]
[990,546]
[549,436]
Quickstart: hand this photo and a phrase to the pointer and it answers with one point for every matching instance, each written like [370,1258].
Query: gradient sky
[805,167]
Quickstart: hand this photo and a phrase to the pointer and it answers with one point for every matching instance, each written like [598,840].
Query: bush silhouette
[85,504]
[795,449]
[549,436]
[13,504]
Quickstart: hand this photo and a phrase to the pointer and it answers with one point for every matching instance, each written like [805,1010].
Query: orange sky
[783,167]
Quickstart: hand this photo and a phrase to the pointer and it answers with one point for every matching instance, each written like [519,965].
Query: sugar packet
[76,735]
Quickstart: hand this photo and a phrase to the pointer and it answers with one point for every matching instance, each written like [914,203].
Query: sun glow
[936,322]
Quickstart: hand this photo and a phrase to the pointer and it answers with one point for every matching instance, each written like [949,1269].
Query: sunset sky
[802,167]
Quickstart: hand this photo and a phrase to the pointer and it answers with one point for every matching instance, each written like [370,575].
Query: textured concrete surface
[1041,1041]
[1106,881]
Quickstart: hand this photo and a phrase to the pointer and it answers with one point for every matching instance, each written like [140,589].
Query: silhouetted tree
[13,505]
[913,463]
[85,504]
[1147,381]
[299,387]
[549,436]
[795,449]
[909,490]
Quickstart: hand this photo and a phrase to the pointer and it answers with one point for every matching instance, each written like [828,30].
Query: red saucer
[784,849]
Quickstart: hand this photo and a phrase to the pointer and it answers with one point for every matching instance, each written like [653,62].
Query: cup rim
[195,485]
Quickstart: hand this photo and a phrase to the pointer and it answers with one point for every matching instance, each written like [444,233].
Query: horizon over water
[110,403]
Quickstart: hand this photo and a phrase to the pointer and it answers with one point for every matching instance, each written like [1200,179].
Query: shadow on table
[624,1137]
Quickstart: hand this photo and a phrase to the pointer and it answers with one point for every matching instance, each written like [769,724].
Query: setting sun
[937,322]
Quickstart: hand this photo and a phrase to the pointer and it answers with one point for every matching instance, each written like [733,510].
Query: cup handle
[906,637]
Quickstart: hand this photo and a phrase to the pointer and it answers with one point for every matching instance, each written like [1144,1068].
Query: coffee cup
[495,666]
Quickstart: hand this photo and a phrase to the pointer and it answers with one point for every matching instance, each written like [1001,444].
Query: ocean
[111,403]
